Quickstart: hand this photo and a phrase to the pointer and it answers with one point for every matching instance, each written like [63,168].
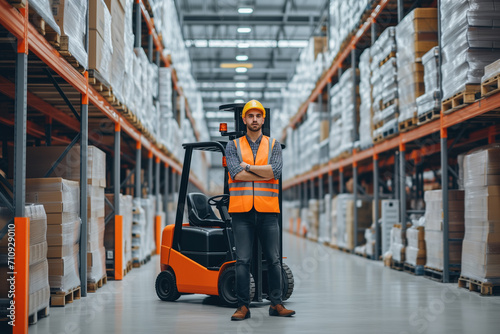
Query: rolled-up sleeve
[277,160]
[232,160]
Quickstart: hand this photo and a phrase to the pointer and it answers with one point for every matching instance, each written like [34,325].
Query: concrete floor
[334,293]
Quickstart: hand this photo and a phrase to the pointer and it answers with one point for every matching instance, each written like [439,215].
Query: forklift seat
[200,213]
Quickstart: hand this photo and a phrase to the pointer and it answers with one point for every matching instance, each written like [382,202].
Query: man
[254,162]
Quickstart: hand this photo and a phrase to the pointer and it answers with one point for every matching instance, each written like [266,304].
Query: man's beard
[251,127]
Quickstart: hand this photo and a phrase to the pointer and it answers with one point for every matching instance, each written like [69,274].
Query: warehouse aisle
[334,293]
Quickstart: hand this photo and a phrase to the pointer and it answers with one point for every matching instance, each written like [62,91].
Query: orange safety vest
[263,195]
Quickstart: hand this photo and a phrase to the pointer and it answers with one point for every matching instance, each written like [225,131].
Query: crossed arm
[257,173]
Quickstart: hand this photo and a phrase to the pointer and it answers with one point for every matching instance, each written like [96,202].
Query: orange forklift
[198,256]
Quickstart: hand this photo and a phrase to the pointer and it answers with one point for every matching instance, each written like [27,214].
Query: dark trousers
[244,227]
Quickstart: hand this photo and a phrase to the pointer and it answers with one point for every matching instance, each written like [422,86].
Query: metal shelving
[91,104]
[397,151]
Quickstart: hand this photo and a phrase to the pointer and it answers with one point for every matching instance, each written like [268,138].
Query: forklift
[198,256]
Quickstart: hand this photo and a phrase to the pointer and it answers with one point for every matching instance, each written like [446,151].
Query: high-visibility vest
[262,195]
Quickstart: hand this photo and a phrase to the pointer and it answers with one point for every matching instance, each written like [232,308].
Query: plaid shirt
[233,161]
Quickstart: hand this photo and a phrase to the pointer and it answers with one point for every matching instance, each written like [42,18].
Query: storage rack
[417,149]
[34,53]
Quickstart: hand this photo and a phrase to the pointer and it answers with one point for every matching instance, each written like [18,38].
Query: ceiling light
[244,30]
[241,85]
[243,45]
[239,101]
[242,58]
[241,69]
[239,93]
[245,10]
[234,65]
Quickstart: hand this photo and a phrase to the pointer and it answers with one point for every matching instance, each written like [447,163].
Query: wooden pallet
[428,116]
[43,28]
[379,138]
[490,86]
[484,288]
[110,270]
[389,103]
[136,263]
[362,255]
[93,286]
[437,275]
[43,313]
[386,59]
[312,239]
[461,100]
[61,298]
[408,124]
[417,270]
[396,265]
[389,133]
[18,3]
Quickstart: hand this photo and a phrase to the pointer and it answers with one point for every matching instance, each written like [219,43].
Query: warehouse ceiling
[246,49]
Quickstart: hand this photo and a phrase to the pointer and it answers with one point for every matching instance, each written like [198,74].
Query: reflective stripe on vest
[261,195]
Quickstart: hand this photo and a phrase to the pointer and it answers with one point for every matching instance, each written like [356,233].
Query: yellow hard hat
[253,104]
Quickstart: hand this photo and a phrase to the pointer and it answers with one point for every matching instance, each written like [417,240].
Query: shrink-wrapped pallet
[43,8]
[100,42]
[96,258]
[397,246]
[416,34]
[431,100]
[61,201]
[480,251]
[39,289]
[70,16]
[415,254]
[470,41]
[313,219]
[434,227]
[365,108]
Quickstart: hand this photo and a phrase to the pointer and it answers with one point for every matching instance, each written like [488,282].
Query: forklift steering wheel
[222,200]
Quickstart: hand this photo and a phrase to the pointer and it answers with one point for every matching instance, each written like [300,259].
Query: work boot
[280,311]
[241,313]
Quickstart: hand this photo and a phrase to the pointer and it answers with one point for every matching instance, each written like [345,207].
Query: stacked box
[40,159]
[325,221]
[470,41]
[304,224]
[416,34]
[481,251]
[385,84]
[61,201]
[431,100]
[415,251]
[364,208]
[143,228]
[365,108]
[370,238]
[397,244]
[43,9]
[126,205]
[313,219]
[491,70]
[39,289]
[70,16]
[333,222]
[100,42]
[96,253]
[342,114]
[434,227]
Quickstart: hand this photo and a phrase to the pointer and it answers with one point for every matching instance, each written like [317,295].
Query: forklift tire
[227,287]
[166,286]
[288,281]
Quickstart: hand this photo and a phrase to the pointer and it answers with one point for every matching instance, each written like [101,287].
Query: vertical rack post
[21,223]
[401,10]
[355,193]
[138,167]
[150,173]
[138,23]
[150,46]
[354,134]
[402,186]
[396,176]
[330,183]
[158,222]
[118,256]
[341,180]
[376,207]
[444,187]
[84,145]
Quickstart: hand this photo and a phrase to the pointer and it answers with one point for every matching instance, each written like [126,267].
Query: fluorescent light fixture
[242,58]
[234,65]
[243,45]
[245,10]
[244,30]
[239,93]
[241,69]
[241,85]
[239,101]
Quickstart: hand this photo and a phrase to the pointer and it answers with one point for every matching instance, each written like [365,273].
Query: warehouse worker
[254,162]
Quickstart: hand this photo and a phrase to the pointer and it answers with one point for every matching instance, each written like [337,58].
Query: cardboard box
[97,9]
[64,266]
[62,218]
[38,225]
[65,234]
[96,45]
[54,252]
